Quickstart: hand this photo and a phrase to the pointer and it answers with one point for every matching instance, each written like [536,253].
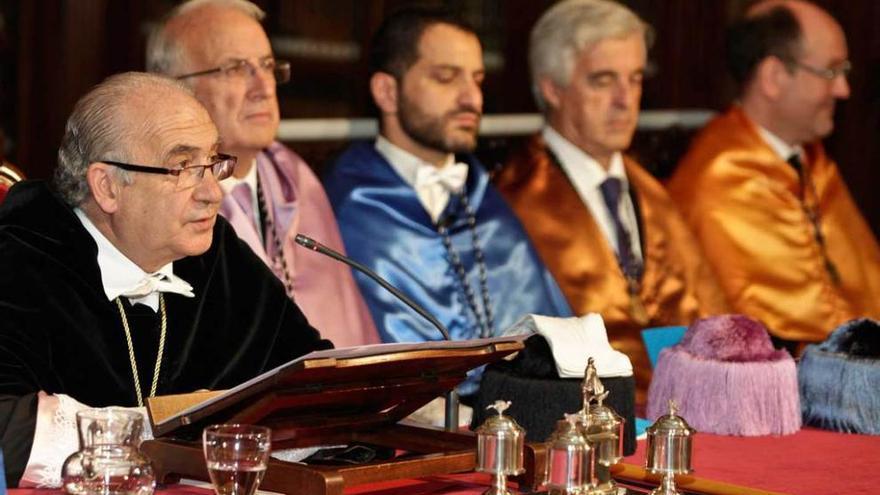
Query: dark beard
[428,131]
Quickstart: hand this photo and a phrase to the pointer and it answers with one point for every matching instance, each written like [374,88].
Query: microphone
[309,243]
[451,396]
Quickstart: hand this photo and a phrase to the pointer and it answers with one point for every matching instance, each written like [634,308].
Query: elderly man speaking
[121,282]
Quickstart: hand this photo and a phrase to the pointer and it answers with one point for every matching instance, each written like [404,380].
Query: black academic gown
[60,334]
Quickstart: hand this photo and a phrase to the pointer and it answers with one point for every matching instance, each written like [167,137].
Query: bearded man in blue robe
[417,207]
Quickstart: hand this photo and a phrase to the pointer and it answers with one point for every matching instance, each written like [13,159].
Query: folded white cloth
[573,341]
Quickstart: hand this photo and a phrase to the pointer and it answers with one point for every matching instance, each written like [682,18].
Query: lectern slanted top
[339,396]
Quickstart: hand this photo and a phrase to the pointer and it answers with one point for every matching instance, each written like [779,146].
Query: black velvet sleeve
[250,307]
[20,348]
[296,336]
[22,344]
[17,421]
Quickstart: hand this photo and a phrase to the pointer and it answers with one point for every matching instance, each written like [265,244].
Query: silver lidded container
[500,442]
[606,428]
[569,459]
[603,429]
[670,445]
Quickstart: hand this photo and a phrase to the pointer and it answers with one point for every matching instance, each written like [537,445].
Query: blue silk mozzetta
[384,226]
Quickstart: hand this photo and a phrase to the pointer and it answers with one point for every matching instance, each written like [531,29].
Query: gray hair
[164,53]
[572,26]
[101,127]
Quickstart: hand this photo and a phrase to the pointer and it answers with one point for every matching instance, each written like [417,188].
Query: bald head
[818,29]
[168,44]
[110,122]
[801,9]
[790,60]
[225,56]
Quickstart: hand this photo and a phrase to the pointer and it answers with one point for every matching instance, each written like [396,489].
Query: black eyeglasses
[188,176]
[829,74]
[240,68]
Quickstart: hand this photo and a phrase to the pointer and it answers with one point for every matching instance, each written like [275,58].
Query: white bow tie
[159,282]
[434,185]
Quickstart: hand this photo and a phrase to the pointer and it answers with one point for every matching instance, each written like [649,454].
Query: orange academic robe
[743,202]
[677,285]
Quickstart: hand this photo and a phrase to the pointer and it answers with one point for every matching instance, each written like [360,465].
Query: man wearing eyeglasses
[219,49]
[769,206]
[121,283]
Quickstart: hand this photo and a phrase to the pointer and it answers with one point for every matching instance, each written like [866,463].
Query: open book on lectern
[371,384]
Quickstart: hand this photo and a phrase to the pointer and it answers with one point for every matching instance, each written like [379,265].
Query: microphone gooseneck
[309,243]
[451,409]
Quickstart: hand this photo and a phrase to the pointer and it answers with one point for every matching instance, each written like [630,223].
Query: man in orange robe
[625,253]
[786,239]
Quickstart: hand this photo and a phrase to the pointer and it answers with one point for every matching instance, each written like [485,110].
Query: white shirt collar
[586,176]
[574,160]
[229,183]
[433,196]
[250,179]
[403,162]
[780,147]
[119,274]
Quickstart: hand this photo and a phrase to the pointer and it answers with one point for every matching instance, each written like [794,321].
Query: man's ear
[105,187]
[383,87]
[550,92]
[773,77]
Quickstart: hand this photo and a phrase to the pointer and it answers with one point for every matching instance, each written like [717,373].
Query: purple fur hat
[728,379]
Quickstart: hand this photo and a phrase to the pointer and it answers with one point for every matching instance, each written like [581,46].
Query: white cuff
[55,438]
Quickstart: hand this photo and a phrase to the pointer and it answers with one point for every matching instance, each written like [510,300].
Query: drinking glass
[236,456]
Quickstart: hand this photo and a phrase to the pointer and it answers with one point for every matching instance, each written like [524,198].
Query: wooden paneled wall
[52,51]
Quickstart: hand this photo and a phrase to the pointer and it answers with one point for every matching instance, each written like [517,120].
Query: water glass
[236,456]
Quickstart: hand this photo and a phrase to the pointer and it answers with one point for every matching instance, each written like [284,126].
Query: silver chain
[278,258]
[485,318]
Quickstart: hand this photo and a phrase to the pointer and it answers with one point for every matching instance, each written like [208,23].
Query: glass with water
[236,456]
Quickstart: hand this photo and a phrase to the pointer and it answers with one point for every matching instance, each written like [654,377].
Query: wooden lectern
[344,396]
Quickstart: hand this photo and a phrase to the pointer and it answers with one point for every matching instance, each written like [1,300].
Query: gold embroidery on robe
[677,285]
[743,203]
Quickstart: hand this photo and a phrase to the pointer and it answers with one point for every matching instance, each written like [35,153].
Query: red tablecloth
[809,462]
[459,484]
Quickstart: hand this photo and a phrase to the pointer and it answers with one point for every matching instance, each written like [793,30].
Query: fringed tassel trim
[727,398]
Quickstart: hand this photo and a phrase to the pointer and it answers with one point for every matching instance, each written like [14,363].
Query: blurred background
[53,51]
